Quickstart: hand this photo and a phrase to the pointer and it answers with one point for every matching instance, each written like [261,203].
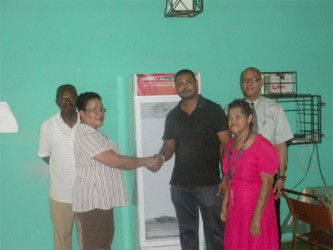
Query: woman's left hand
[255,227]
[278,186]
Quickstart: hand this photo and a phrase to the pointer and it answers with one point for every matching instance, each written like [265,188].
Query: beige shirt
[272,120]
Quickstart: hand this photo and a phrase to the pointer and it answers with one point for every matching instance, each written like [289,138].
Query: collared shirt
[96,185]
[56,140]
[272,120]
[197,146]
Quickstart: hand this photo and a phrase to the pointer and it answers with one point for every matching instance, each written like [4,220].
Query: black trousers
[277,210]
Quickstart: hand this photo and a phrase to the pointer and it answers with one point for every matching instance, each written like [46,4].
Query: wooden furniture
[313,211]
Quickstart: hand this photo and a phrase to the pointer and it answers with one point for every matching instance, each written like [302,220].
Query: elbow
[268,181]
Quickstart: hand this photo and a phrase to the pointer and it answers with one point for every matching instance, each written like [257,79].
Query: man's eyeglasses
[251,80]
[96,110]
[66,98]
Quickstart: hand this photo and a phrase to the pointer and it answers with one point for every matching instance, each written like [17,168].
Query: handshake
[154,163]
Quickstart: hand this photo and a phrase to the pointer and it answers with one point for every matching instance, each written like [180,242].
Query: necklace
[231,170]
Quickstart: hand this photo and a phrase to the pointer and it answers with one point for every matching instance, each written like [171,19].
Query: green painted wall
[97,45]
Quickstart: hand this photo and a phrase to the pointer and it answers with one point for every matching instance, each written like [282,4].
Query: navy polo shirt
[197,147]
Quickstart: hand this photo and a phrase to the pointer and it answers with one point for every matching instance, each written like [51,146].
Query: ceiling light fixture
[183,8]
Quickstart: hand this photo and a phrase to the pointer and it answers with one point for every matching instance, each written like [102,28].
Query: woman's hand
[223,213]
[224,205]
[255,227]
[265,190]
[278,186]
[153,164]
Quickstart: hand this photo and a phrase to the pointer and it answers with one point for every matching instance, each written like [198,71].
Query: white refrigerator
[154,97]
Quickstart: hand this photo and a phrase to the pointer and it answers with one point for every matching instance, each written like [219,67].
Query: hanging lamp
[183,8]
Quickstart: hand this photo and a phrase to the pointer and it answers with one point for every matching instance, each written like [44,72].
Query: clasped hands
[154,163]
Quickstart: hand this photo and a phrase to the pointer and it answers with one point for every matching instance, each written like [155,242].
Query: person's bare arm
[167,150]
[224,207]
[266,187]
[279,184]
[223,136]
[113,160]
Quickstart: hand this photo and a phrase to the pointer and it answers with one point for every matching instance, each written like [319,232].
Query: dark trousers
[277,210]
[187,202]
[97,229]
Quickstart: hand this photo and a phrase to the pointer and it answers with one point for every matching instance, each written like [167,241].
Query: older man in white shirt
[56,140]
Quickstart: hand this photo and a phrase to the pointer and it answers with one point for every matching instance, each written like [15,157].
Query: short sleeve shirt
[197,147]
[96,185]
[246,166]
[56,140]
[272,121]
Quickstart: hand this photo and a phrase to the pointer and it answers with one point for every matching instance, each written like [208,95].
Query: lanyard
[231,170]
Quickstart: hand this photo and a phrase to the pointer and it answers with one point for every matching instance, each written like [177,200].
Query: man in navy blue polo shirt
[196,131]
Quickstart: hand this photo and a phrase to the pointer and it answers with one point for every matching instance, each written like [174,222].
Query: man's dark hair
[66,86]
[249,68]
[185,71]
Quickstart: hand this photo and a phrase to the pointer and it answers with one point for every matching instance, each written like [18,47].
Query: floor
[287,245]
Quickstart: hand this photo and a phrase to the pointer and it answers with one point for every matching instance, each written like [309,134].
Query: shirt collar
[200,103]
[255,103]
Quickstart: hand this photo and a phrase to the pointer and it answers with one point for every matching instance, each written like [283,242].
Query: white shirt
[272,120]
[56,140]
[96,185]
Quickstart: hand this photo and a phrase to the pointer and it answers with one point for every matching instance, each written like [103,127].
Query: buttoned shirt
[96,185]
[56,140]
[272,120]
[197,147]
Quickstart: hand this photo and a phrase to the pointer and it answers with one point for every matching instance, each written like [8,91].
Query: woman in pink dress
[248,204]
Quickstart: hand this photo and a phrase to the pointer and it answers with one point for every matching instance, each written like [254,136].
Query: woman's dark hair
[84,98]
[241,103]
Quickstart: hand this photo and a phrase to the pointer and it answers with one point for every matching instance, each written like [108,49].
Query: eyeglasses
[66,98]
[97,110]
[251,80]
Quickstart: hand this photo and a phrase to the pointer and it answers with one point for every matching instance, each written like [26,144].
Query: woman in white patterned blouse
[99,185]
